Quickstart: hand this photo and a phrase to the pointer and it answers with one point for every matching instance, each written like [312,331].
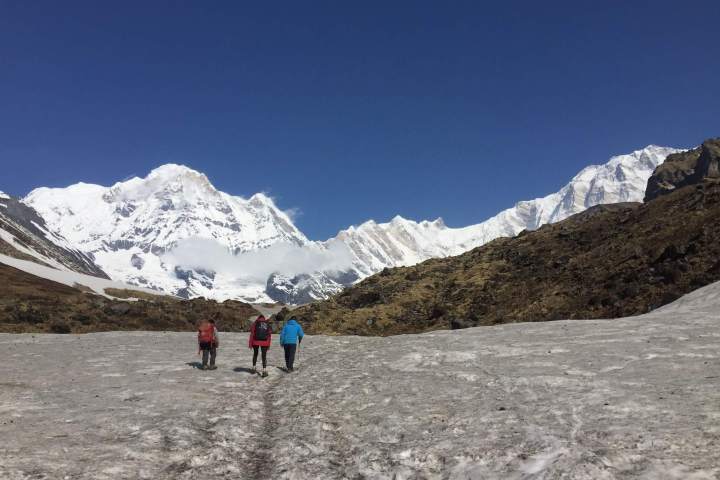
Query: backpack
[207,334]
[262,331]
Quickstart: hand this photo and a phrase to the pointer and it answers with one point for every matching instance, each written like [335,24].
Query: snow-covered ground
[633,398]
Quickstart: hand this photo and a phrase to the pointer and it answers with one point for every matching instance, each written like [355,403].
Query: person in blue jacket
[290,337]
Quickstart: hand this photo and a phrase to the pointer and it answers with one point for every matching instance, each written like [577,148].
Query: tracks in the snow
[262,457]
[261,464]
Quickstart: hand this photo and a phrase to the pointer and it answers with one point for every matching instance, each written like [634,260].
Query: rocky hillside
[610,261]
[685,168]
[29,303]
[24,235]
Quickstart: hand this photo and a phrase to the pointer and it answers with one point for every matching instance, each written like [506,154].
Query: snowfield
[632,398]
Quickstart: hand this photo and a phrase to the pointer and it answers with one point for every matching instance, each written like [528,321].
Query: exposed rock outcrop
[685,168]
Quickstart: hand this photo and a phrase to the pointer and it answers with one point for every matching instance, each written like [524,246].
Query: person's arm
[282,336]
[216,334]
[252,335]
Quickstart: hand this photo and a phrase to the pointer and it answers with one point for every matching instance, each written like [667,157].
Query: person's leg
[291,356]
[205,353]
[213,354]
[287,356]
[264,356]
[255,354]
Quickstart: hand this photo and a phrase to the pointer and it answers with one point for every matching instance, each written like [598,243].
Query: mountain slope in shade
[130,227]
[24,235]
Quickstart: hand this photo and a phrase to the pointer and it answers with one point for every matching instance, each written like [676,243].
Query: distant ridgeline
[173,231]
[610,261]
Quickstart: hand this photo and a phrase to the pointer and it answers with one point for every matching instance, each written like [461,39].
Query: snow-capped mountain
[402,242]
[129,226]
[24,235]
[136,229]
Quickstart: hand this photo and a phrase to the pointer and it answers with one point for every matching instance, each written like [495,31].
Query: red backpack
[207,333]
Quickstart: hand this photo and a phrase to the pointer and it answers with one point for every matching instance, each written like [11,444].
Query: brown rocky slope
[33,304]
[610,261]
[685,168]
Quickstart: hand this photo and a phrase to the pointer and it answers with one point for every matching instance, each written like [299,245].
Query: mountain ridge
[136,225]
[24,235]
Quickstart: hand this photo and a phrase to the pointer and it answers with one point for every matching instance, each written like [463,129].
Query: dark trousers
[208,349]
[290,350]
[264,355]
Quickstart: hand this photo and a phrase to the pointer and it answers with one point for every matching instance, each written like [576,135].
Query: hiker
[208,343]
[290,337]
[260,335]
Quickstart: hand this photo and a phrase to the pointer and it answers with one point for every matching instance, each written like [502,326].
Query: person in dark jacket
[290,337]
[260,338]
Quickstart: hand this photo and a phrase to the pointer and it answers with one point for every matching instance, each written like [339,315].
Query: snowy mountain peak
[399,242]
[139,229]
[173,170]
[168,182]
[438,222]
[262,200]
[130,226]
[397,219]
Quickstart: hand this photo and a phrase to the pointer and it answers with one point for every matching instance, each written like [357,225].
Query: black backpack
[262,331]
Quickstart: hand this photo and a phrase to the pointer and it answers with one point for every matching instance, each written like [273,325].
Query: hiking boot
[264,372]
[253,369]
[212,367]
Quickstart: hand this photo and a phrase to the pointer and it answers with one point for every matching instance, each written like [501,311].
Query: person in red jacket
[260,335]
[208,342]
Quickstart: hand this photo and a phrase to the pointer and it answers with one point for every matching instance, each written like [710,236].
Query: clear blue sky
[352,110]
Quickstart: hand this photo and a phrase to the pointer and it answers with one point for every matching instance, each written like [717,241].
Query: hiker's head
[261,318]
[212,321]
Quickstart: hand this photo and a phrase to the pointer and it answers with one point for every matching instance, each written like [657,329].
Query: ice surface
[635,398]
